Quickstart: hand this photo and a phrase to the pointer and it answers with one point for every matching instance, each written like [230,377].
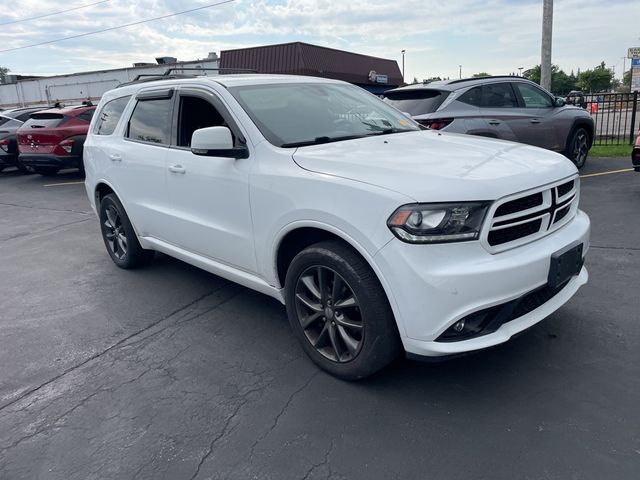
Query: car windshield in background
[416,101]
[44,120]
[295,115]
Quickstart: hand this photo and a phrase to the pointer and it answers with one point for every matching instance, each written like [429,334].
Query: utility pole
[547,32]
[460,71]
[624,66]
[403,67]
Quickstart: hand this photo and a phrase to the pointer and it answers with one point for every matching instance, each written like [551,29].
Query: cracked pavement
[172,373]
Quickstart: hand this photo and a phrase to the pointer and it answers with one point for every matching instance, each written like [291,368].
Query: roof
[457,84]
[298,58]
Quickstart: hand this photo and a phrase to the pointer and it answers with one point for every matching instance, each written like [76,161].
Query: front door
[536,126]
[209,195]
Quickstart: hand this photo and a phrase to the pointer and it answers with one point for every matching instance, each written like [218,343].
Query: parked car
[10,121]
[635,154]
[508,108]
[53,139]
[577,98]
[377,235]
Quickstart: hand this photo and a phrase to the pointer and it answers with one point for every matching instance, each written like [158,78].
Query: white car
[377,235]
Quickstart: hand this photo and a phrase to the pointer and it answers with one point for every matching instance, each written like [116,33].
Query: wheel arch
[297,237]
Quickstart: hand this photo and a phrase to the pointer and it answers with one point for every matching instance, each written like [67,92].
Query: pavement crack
[604,247]
[280,414]
[109,349]
[55,227]
[45,208]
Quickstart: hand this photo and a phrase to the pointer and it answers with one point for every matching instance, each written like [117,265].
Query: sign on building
[633,52]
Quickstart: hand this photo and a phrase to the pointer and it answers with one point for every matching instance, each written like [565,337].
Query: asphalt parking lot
[172,373]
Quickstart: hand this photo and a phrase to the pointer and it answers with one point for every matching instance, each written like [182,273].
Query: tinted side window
[472,96]
[110,115]
[533,98]
[196,113]
[498,95]
[151,121]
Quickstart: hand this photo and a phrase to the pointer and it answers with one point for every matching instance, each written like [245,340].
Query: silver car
[509,108]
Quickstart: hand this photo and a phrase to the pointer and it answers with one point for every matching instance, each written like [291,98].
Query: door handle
[534,120]
[494,122]
[177,169]
[115,157]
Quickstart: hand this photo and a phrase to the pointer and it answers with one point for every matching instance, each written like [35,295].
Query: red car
[635,154]
[53,139]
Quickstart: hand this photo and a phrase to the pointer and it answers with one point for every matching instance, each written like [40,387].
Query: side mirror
[216,142]
[559,102]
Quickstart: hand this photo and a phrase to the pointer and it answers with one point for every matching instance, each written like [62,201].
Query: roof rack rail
[480,78]
[150,77]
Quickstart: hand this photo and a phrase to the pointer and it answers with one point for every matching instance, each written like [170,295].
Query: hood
[431,166]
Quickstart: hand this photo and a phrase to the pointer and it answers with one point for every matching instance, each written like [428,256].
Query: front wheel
[119,236]
[578,147]
[340,312]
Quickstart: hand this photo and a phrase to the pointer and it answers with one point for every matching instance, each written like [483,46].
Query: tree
[595,80]
[481,74]
[561,83]
[4,71]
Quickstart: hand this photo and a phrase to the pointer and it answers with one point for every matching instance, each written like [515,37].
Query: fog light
[458,326]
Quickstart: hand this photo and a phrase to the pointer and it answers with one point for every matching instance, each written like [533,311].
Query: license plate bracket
[565,264]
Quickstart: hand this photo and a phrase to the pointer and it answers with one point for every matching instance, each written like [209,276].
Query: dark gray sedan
[509,108]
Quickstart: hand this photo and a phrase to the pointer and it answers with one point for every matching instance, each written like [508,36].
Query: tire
[46,171]
[352,337]
[1,168]
[120,237]
[25,170]
[578,147]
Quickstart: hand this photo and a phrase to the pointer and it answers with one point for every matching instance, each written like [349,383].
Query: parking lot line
[62,183]
[607,173]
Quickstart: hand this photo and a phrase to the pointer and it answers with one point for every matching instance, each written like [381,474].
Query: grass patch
[610,151]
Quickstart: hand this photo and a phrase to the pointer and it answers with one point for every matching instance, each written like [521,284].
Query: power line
[53,13]
[118,27]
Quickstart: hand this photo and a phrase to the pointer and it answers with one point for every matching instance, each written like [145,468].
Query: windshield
[416,101]
[294,115]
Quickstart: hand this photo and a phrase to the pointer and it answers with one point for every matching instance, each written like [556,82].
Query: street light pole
[460,71]
[624,66]
[403,67]
[520,68]
[547,33]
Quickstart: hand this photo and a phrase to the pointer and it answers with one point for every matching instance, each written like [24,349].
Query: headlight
[438,222]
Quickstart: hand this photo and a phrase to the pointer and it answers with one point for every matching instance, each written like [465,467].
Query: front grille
[509,234]
[533,300]
[519,220]
[520,204]
[565,188]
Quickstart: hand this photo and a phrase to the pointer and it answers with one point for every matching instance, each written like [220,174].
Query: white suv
[377,235]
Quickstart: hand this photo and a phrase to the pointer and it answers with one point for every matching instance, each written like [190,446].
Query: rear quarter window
[416,102]
[109,116]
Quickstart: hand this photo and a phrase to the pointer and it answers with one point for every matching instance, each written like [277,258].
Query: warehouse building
[371,73]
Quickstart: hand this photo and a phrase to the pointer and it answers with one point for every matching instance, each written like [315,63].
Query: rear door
[137,160]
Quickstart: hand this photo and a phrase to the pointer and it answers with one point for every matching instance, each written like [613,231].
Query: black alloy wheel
[339,311]
[329,314]
[119,236]
[579,147]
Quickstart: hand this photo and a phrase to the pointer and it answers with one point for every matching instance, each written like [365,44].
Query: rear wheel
[25,169]
[46,171]
[339,311]
[119,236]
[578,147]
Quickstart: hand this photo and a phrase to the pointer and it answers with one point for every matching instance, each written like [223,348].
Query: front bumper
[433,286]
[50,160]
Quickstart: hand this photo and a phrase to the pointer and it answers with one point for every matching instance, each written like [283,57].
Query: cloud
[496,36]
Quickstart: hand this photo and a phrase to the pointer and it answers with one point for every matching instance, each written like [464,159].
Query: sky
[493,36]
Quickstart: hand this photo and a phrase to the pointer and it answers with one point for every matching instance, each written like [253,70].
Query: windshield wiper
[320,140]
